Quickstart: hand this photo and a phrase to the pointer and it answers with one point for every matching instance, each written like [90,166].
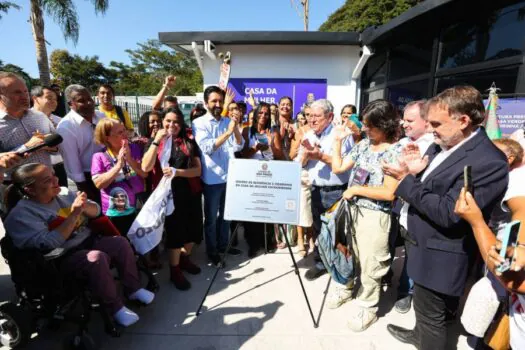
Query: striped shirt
[14,132]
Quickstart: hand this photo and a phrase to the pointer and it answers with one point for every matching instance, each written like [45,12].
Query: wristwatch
[155,144]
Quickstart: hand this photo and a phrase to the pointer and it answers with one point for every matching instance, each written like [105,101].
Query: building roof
[424,13]
[182,40]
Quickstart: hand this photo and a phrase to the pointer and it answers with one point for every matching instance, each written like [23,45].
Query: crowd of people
[401,175]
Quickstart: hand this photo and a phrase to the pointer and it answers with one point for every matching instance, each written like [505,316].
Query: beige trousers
[372,253]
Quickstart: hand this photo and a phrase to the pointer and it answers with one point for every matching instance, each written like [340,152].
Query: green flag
[491,123]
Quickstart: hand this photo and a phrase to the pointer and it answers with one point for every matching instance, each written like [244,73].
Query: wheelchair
[46,297]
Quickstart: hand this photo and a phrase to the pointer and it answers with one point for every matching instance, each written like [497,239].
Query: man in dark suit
[441,244]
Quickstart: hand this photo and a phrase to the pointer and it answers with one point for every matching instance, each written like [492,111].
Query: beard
[216,111]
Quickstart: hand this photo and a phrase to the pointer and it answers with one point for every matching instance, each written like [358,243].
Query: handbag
[480,308]
[498,335]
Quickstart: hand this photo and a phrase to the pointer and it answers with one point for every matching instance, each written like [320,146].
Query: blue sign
[301,91]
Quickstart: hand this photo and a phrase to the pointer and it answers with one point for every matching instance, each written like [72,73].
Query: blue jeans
[322,199]
[216,229]
[406,284]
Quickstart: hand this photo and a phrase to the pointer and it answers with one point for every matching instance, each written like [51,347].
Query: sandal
[281,245]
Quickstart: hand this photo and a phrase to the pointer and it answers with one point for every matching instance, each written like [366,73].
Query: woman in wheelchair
[45,216]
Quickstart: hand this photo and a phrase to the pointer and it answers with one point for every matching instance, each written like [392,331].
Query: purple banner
[271,90]
[511,114]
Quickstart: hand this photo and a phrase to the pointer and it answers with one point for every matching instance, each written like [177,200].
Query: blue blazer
[445,243]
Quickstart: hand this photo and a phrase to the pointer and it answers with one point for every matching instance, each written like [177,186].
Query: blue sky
[128,22]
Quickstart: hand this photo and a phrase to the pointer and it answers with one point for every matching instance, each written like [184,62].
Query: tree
[356,15]
[30,82]
[87,71]
[65,15]
[6,5]
[150,64]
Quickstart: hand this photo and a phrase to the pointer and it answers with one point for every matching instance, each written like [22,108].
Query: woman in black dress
[184,226]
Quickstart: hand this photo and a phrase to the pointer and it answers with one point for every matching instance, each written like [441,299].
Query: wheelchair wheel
[15,326]
[79,342]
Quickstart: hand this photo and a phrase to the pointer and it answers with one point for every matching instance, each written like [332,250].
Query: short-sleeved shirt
[366,159]
[501,214]
[114,115]
[14,132]
[131,183]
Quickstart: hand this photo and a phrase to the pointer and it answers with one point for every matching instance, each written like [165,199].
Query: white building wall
[334,63]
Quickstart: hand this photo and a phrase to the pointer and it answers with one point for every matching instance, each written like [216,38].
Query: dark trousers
[322,199]
[431,309]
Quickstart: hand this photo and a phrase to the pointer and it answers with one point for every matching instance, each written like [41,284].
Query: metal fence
[136,109]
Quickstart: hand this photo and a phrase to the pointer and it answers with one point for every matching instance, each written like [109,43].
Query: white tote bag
[146,231]
[480,308]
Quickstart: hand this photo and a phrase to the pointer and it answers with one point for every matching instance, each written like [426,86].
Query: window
[408,60]
[402,94]
[375,71]
[504,78]
[488,36]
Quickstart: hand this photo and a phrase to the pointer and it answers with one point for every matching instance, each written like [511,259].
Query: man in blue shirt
[315,154]
[218,139]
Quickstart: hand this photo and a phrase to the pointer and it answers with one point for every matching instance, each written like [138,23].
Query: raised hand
[160,135]
[79,203]
[413,160]
[229,96]
[397,171]
[342,132]
[233,124]
[170,80]
[251,100]
[467,208]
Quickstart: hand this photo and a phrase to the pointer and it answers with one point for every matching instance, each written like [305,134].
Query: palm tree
[64,13]
[6,5]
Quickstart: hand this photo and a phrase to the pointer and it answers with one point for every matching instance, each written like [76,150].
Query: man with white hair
[315,153]
[77,129]
[20,127]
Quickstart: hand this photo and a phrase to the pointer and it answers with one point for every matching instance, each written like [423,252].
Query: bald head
[14,96]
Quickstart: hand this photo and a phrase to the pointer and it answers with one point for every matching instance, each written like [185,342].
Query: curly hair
[383,115]
[144,129]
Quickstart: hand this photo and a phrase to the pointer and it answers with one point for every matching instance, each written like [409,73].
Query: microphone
[49,141]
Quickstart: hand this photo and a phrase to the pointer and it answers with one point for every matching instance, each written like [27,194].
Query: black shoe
[407,336]
[232,251]
[313,273]
[403,305]
[216,260]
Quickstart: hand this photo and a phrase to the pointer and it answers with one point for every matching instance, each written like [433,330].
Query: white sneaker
[362,320]
[339,295]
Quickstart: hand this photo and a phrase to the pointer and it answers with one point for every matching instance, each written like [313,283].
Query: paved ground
[254,304]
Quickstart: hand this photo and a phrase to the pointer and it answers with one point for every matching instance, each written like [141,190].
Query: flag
[491,123]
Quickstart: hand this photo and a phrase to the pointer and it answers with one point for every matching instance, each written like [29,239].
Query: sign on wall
[270,91]
[511,114]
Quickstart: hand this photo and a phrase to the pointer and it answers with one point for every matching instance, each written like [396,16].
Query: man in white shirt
[218,139]
[78,145]
[416,129]
[45,100]
[20,127]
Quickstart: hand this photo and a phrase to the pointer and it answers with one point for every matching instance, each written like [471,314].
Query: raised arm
[169,82]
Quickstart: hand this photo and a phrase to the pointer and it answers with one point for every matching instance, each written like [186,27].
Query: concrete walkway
[254,304]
